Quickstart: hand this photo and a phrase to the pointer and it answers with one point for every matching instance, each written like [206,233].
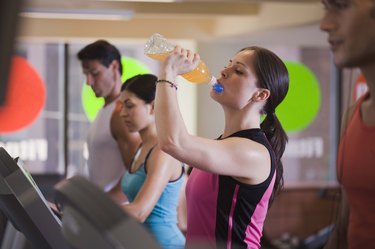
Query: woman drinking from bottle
[235,176]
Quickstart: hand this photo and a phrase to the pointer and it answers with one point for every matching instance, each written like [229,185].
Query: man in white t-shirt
[110,145]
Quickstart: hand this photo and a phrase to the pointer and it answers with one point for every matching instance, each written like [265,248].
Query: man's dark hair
[102,51]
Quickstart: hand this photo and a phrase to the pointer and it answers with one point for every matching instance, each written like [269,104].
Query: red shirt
[356,171]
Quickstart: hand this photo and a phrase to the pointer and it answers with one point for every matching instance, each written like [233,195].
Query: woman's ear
[261,95]
[152,107]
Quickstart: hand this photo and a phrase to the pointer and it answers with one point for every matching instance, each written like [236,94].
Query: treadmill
[91,219]
[25,207]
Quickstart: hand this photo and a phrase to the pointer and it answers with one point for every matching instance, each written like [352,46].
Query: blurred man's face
[350,25]
[99,77]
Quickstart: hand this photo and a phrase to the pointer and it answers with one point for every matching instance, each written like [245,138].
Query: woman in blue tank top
[153,180]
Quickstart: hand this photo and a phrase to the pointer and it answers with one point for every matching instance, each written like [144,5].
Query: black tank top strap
[147,156]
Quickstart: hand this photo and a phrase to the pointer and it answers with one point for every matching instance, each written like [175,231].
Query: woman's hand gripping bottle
[158,48]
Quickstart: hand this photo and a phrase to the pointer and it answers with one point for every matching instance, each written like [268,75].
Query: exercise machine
[25,207]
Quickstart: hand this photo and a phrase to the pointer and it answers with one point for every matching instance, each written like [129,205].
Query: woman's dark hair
[272,74]
[102,51]
[142,85]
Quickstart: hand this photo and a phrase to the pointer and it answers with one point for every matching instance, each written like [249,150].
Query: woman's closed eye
[239,71]
[128,105]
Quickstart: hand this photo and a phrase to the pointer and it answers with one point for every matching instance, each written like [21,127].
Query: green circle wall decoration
[302,103]
[91,104]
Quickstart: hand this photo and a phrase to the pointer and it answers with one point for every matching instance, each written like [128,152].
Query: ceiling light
[143,1]
[84,14]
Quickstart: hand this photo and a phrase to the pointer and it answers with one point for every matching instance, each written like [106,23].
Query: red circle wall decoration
[25,98]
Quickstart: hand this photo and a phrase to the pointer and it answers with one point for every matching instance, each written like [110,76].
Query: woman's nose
[224,73]
[123,112]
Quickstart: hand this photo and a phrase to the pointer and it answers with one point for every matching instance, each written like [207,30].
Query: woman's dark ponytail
[272,74]
[278,139]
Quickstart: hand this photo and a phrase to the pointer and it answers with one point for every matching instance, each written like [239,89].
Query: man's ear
[115,70]
[115,66]
[261,95]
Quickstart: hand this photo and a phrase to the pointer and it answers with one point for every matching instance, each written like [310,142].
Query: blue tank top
[162,221]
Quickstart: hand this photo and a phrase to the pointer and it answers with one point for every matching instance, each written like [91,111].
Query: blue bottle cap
[218,88]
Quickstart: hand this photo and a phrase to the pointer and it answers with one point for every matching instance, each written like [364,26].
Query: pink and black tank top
[225,213]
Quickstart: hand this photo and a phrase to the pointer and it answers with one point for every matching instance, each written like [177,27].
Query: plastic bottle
[158,48]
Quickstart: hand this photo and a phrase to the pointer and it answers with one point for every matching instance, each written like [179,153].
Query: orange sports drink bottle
[158,48]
